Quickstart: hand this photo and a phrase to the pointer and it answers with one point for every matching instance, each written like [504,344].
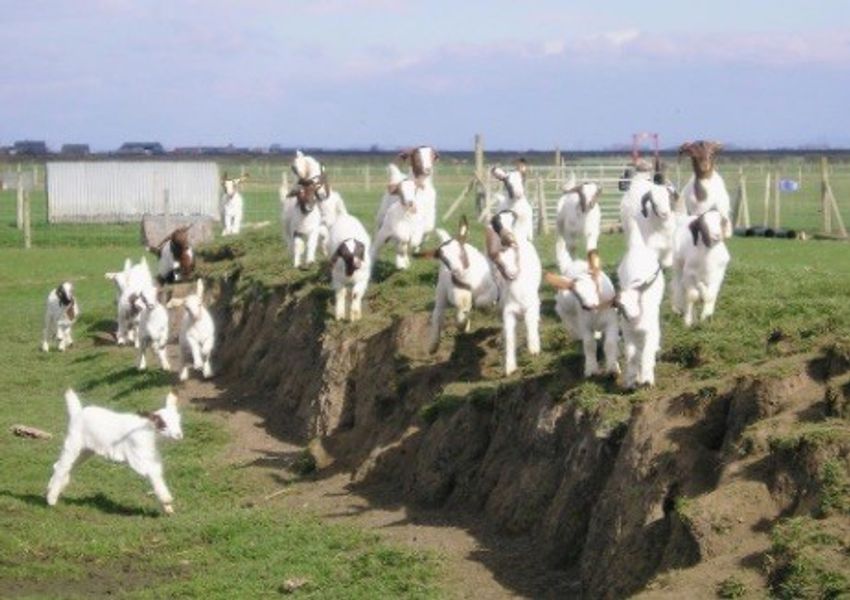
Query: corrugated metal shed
[122,191]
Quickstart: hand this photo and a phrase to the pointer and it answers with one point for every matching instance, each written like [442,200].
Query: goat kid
[394,177]
[653,219]
[351,266]
[464,281]
[302,223]
[706,189]
[60,313]
[197,333]
[514,198]
[422,160]
[153,327]
[517,271]
[700,264]
[119,437]
[176,257]
[129,284]
[579,216]
[231,205]
[585,303]
[402,224]
[641,282]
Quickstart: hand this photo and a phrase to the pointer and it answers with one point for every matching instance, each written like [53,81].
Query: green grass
[106,534]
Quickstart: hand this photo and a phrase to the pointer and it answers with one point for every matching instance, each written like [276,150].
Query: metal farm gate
[123,191]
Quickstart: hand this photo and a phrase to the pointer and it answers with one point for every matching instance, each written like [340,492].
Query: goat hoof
[168,509]
[45,347]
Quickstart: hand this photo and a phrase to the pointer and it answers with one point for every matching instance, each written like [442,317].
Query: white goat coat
[130,282]
[639,184]
[403,223]
[698,272]
[349,289]
[524,227]
[596,316]
[301,231]
[658,230]
[197,339]
[641,291]
[57,323]
[231,208]
[573,223]
[519,297]
[717,197]
[153,330]
[478,277]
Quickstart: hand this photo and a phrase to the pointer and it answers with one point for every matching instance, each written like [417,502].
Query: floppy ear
[646,199]
[404,155]
[715,147]
[594,261]
[293,193]
[463,230]
[426,254]
[394,189]
[171,401]
[559,282]
[493,242]
[694,226]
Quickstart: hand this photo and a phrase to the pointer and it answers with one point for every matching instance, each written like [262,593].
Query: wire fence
[363,183]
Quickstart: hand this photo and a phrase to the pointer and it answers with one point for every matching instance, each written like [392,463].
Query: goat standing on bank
[197,333]
[231,205]
[517,270]
[119,437]
[699,265]
[302,222]
[641,282]
[464,281]
[60,313]
[350,266]
[422,160]
[585,303]
[176,257]
[402,224]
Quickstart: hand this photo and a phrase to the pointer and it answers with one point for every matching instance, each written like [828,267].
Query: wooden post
[27,221]
[776,201]
[34,176]
[542,218]
[824,197]
[19,209]
[479,157]
[367,176]
[742,217]
[558,168]
[284,185]
[473,184]
[766,215]
[678,176]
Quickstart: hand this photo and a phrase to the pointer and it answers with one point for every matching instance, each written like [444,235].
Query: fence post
[742,218]
[367,176]
[19,209]
[542,219]
[766,216]
[776,201]
[824,197]
[166,212]
[27,221]
[479,157]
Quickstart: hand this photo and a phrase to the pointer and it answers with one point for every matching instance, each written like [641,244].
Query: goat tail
[73,402]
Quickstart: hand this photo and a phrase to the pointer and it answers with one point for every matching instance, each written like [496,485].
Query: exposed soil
[525,491]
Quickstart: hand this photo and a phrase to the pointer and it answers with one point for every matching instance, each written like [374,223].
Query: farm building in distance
[75,150]
[141,149]
[124,191]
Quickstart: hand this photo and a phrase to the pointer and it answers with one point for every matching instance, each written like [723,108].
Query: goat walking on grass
[197,333]
[60,314]
[119,437]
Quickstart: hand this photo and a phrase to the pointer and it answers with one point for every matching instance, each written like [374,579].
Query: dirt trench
[560,502]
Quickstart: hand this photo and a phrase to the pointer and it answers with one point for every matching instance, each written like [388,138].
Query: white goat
[706,189]
[153,328]
[302,222]
[129,284]
[351,266]
[402,224]
[231,205]
[394,177]
[331,205]
[60,313]
[515,200]
[699,265]
[197,332]
[579,216]
[119,437]
[517,272]
[653,218]
[585,303]
[422,160]
[639,182]
[464,281]
[639,300]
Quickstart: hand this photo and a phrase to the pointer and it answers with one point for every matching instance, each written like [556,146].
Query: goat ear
[645,199]
[594,261]
[171,401]
[493,242]
[714,147]
[559,282]
[463,229]
[404,155]
[685,148]
[694,227]
[199,287]
[499,173]
[128,264]
[293,192]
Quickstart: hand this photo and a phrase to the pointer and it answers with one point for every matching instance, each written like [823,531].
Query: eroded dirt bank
[670,497]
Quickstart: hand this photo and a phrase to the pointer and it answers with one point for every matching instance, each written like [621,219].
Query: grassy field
[106,535]
[780,297]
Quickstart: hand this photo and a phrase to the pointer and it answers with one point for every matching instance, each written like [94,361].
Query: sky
[356,73]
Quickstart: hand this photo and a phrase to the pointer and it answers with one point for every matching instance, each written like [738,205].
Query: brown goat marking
[64,299]
[702,155]
[699,228]
[497,242]
[71,311]
[158,421]
[348,257]
[648,198]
